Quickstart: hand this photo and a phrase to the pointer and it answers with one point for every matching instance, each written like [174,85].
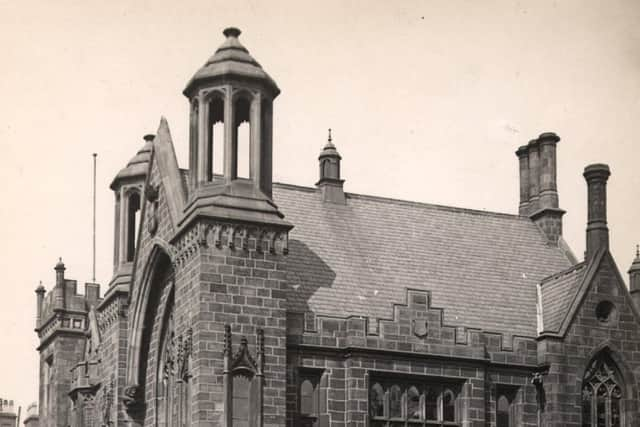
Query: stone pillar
[267,147]
[255,151]
[596,176]
[203,124]
[194,109]
[230,133]
[123,228]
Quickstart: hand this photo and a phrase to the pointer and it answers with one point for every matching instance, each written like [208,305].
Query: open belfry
[239,302]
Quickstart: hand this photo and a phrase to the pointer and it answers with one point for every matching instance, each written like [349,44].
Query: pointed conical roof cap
[139,164]
[231,58]
[329,149]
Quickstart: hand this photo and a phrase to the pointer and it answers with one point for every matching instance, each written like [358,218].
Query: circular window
[605,311]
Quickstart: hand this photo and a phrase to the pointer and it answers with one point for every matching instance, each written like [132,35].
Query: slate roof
[358,259]
[557,293]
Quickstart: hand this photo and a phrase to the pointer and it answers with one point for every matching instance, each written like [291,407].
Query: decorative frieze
[241,237]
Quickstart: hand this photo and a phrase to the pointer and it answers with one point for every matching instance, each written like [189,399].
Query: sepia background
[428,101]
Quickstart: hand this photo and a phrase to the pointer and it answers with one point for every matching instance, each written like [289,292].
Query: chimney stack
[597,230]
[523,158]
[634,279]
[538,185]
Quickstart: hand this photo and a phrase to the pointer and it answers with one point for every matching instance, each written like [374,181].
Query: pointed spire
[329,143]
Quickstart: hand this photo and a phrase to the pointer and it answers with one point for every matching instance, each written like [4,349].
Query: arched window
[241,401]
[166,377]
[376,400]
[242,137]
[602,394]
[502,412]
[215,141]
[413,403]
[395,402]
[133,223]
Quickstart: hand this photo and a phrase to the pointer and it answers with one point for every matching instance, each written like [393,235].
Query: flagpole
[94,216]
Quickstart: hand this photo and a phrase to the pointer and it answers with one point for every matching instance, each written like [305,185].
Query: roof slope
[557,294]
[359,258]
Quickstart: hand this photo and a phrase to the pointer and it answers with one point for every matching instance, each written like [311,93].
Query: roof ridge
[405,202]
[564,272]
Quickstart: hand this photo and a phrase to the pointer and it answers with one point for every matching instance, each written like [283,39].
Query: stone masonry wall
[414,344]
[569,356]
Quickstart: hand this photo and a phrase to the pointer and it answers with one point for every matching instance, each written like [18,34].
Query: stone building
[236,301]
[8,417]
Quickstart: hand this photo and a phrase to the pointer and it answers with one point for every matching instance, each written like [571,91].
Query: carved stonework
[152,194]
[131,395]
[420,328]
[106,403]
[232,236]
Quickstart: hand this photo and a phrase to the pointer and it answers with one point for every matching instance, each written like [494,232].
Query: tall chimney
[597,230]
[534,176]
[548,185]
[538,185]
[523,160]
[634,279]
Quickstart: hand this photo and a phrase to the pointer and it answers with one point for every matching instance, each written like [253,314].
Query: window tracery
[602,395]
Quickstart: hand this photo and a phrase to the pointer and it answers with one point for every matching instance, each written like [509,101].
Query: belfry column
[255,154]
[203,133]
[230,164]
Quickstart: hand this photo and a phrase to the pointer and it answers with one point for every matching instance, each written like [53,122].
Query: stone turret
[330,183]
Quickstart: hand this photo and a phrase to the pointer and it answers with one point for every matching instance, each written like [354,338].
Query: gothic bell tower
[230,145]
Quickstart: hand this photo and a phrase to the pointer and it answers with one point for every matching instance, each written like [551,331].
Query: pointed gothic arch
[605,395]
[145,300]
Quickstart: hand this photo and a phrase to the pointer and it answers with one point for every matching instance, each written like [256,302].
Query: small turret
[60,288]
[40,291]
[128,186]
[330,183]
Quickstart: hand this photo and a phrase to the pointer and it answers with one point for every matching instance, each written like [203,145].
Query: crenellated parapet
[63,309]
[416,329]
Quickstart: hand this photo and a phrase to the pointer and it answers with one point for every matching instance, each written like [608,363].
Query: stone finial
[232,32]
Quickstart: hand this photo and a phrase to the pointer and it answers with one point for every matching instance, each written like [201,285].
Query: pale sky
[428,101]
